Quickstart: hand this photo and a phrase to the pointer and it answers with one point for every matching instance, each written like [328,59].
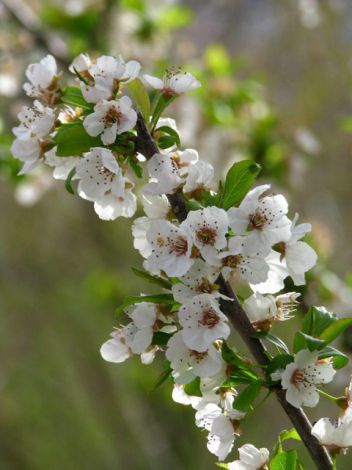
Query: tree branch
[238,318]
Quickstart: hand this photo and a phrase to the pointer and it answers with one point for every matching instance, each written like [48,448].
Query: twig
[237,316]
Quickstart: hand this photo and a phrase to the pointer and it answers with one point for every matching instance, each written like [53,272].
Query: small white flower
[175,82]
[156,207]
[266,309]
[188,364]
[111,118]
[264,217]
[62,165]
[221,430]
[99,174]
[105,76]
[301,377]
[164,174]
[144,316]
[140,227]
[298,256]
[171,248]
[110,206]
[199,176]
[43,79]
[334,436]
[251,458]
[277,273]
[200,279]
[35,122]
[246,258]
[208,227]
[203,322]
[81,64]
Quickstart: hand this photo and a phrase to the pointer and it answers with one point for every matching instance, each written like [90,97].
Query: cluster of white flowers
[255,241]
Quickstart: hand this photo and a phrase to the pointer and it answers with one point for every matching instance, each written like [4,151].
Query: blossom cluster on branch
[90,133]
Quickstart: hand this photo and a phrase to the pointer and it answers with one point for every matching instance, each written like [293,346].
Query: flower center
[210,318]
[112,116]
[205,287]
[297,377]
[258,220]
[179,246]
[198,356]
[232,261]
[206,235]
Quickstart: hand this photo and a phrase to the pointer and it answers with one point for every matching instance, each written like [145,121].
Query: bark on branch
[239,320]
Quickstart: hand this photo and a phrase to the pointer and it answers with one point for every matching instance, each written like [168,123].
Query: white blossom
[208,227]
[200,279]
[104,76]
[251,458]
[301,378]
[262,217]
[99,174]
[335,436]
[164,174]
[62,165]
[262,309]
[43,79]
[171,248]
[199,176]
[245,257]
[111,118]
[111,206]
[175,82]
[203,322]
[188,364]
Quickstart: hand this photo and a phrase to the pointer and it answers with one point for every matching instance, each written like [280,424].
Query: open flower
[203,322]
[335,436]
[110,206]
[251,458]
[188,364]
[164,175]
[301,378]
[43,80]
[62,165]
[175,82]
[171,248]
[262,217]
[103,77]
[208,227]
[111,118]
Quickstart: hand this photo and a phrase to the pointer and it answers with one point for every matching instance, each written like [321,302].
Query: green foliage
[279,362]
[284,461]
[239,179]
[171,138]
[72,95]
[72,139]
[135,299]
[193,388]
[151,278]
[317,320]
[140,96]
[335,329]
[135,167]
[160,338]
[278,342]
[339,359]
[246,397]
[304,341]
[68,181]
[163,376]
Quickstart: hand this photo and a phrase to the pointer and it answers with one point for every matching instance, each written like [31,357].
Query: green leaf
[277,341]
[339,358]
[72,139]
[162,377]
[140,96]
[166,141]
[170,132]
[279,362]
[284,461]
[335,329]
[151,278]
[163,102]
[155,299]
[68,181]
[304,341]
[193,388]
[160,338]
[247,396]
[72,96]
[136,168]
[317,320]
[239,179]
[231,357]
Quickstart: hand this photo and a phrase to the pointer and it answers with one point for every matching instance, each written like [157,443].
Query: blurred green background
[277,88]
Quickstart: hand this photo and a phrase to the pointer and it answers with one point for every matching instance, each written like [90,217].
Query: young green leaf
[151,278]
[160,338]
[335,329]
[284,461]
[136,168]
[162,377]
[68,181]
[156,299]
[247,396]
[239,179]
[339,359]
[72,96]
[193,388]
[72,139]
[170,132]
[279,362]
[303,341]
[140,96]
[317,320]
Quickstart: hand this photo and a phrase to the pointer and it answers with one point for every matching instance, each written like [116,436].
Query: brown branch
[237,316]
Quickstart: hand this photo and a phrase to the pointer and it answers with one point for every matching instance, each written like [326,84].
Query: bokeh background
[276,80]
